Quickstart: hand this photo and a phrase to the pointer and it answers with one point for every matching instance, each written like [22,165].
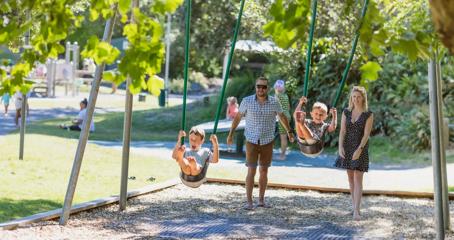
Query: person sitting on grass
[76,123]
[310,131]
[192,160]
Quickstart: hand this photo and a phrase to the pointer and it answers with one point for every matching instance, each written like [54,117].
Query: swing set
[314,150]
[310,150]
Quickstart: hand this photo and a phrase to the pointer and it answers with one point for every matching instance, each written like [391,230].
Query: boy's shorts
[260,155]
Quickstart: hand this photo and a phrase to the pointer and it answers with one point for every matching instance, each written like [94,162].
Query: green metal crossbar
[227,70]
[352,53]
[309,47]
[186,65]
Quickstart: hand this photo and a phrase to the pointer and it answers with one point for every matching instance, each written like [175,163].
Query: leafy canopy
[51,21]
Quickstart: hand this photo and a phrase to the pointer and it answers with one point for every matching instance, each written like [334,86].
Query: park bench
[224,127]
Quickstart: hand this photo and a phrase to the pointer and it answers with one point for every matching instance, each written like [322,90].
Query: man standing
[260,111]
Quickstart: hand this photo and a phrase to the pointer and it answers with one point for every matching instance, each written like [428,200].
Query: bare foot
[282,156]
[356,216]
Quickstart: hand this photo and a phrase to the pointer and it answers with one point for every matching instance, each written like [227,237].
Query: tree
[52,21]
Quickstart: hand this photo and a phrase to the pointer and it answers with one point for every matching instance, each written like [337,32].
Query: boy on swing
[192,160]
[310,131]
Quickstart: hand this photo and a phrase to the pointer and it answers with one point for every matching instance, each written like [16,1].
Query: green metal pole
[309,47]
[227,71]
[186,65]
[352,54]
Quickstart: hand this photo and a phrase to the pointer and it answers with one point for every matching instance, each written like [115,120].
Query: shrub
[412,130]
[177,85]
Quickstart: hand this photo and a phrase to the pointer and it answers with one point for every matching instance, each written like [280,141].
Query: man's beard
[259,94]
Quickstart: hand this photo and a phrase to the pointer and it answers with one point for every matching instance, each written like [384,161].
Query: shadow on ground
[11,209]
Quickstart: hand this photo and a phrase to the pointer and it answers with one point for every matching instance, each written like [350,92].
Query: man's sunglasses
[261,86]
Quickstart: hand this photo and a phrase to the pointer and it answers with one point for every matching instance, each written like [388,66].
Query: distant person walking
[356,125]
[5,100]
[18,98]
[260,111]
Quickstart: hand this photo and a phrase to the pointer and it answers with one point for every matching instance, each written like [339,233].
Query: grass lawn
[39,182]
[384,151]
[104,100]
[162,124]
[157,124]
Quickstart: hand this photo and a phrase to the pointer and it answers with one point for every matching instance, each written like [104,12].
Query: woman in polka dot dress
[356,125]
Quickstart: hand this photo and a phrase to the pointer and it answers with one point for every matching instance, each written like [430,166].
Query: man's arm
[235,123]
[284,122]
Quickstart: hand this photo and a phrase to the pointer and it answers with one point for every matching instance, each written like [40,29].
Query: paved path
[298,169]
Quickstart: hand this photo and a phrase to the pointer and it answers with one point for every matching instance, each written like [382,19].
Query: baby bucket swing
[314,150]
[197,180]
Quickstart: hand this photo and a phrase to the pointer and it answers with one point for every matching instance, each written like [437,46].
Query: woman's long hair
[363,93]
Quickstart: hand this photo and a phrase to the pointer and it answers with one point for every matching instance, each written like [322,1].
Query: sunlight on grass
[42,177]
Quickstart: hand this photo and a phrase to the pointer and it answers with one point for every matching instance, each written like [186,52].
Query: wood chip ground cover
[215,211]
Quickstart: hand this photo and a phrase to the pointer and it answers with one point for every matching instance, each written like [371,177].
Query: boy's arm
[178,145]
[214,141]
[301,103]
[332,127]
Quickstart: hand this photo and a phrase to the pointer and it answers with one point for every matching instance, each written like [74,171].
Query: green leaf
[124,6]
[155,84]
[369,71]
[376,49]
[130,31]
[165,6]
[108,76]
[94,15]
[406,47]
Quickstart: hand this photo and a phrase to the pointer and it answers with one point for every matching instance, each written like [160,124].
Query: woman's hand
[356,154]
[341,152]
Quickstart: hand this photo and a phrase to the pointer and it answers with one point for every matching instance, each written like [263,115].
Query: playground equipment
[61,72]
[93,97]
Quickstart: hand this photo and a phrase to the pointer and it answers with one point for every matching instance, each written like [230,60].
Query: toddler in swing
[310,131]
[192,159]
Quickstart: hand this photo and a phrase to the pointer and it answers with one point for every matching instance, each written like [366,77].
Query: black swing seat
[197,180]
[313,150]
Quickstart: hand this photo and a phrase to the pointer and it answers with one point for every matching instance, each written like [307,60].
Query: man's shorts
[260,155]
